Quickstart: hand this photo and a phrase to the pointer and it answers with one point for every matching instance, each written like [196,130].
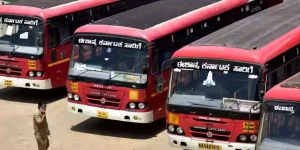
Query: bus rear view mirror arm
[159,84]
[163,64]
[68,39]
[39,39]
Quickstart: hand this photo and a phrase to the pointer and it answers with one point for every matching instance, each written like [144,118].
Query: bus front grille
[216,135]
[103,101]
[10,71]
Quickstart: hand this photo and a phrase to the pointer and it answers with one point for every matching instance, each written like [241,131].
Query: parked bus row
[33,50]
[219,81]
[212,60]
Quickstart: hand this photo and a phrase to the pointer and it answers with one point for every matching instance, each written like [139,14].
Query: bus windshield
[124,60]
[19,34]
[280,125]
[206,87]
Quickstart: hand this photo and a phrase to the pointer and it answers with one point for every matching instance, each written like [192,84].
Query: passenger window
[53,56]
[53,37]
[282,73]
[167,56]
[64,32]
[277,76]
[155,64]
[293,67]
[74,26]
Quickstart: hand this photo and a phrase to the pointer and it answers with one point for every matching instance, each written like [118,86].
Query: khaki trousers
[43,143]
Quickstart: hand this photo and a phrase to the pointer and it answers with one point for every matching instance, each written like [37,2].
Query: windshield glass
[281,125]
[203,83]
[114,58]
[19,34]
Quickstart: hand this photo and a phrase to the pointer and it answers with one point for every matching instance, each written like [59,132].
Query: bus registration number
[102,114]
[204,146]
[8,83]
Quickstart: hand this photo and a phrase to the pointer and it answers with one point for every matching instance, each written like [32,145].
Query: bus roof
[75,6]
[66,7]
[154,13]
[259,29]
[286,90]
[39,3]
[142,16]
[217,52]
[266,30]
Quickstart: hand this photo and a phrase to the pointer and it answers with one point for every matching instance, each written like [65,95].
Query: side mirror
[145,63]
[68,39]
[39,39]
[257,106]
[159,85]
[262,87]
[145,69]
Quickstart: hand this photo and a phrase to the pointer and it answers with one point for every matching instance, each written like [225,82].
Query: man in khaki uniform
[41,130]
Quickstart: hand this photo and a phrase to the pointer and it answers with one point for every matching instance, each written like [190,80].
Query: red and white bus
[217,79]
[33,53]
[116,62]
[280,117]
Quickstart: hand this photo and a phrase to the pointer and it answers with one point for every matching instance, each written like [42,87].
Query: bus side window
[277,76]
[272,80]
[64,32]
[53,56]
[294,67]
[166,59]
[155,63]
[53,38]
[73,26]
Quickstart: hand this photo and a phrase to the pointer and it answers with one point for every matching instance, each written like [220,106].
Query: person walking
[40,124]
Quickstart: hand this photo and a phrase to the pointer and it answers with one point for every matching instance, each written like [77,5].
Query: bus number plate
[102,114]
[8,83]
[204,146]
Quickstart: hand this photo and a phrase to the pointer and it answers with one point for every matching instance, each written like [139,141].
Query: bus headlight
[253,138]
[31,74]
[70,95]
[39,74]
[141,105]
[243,138]
[132,105]
[179,130]
[76,98]
[171,128]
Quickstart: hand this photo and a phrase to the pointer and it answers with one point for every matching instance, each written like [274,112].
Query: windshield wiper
[198,104]
[106,81]
[15,48]
[86,70]
[112,78]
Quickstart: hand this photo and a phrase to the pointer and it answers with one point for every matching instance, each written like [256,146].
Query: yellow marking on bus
[173,119]
[58,62]
[31,64]
[133,95]
[248,126]
[156,93]
[74,86]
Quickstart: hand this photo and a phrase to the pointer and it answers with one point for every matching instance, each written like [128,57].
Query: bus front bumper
[111,114]
[193,144]
[25,83]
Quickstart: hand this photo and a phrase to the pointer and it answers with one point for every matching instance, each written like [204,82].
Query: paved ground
[69,131]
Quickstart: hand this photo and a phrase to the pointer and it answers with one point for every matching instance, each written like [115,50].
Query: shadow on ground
[32,95]
[120,129]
